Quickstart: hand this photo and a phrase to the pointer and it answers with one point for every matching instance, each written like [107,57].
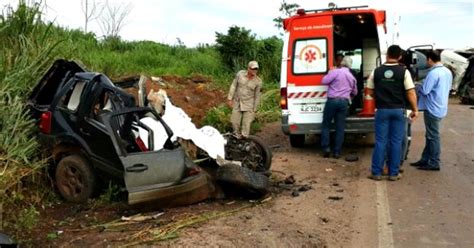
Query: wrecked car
[466,87]
[96,132]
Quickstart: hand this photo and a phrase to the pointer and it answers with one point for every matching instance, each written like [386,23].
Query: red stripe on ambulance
[300,95]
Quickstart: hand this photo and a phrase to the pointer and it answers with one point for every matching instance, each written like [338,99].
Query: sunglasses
[254,69]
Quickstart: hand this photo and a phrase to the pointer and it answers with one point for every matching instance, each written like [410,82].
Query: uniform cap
[253,64]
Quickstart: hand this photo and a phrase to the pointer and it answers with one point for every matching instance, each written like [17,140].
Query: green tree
[269,56]
[236,47]
[287,10]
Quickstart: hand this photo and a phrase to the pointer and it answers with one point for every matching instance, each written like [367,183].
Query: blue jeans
[405,143]
[389,133]
[336,109]
[432,150]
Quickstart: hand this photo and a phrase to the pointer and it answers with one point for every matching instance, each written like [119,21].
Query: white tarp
[207,138]
[159,133]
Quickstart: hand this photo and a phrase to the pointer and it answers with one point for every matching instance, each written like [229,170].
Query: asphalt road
[424,208]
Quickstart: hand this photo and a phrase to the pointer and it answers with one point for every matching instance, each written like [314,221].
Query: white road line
[384,222]
[454,131]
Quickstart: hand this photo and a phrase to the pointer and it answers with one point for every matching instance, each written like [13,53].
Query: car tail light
[283,98]
[141,144]
[293,127]
[45,122]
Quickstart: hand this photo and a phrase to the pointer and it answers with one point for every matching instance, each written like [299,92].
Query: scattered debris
[328,169]
[335,198]
[275,146]
[139,217]
[285,186]
[295,193]
[324,219]
[290,180]
[352,158]
[277,171]
[266,199]
[305,187]
[171,230]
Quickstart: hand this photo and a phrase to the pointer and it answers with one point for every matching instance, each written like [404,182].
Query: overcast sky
[448,24]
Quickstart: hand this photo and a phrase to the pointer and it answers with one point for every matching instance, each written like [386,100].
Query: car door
[144,170]
[93,130]
[416,62]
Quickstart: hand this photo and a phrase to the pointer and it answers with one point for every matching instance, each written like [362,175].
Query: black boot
[419,163]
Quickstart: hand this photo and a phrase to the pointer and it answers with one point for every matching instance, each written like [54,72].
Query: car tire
[297,140]
[243,178]
[75,179]
[265,151]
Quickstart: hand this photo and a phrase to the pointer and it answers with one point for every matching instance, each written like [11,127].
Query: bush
[268,111]
[219,117]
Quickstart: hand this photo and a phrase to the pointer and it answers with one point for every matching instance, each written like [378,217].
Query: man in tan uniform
[244,98]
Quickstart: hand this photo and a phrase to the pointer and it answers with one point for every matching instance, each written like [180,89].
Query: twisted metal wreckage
[96,133]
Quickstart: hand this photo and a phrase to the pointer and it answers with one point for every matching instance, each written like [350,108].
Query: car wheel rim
[251,154]
[72,181]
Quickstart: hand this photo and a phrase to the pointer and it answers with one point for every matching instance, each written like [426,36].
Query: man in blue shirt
[433,97]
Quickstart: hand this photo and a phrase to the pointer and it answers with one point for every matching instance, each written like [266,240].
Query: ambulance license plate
[311,108]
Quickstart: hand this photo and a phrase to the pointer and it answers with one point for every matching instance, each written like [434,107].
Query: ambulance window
[310,56]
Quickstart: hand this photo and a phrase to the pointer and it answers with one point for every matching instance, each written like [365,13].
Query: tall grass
[115,57]
[26,49]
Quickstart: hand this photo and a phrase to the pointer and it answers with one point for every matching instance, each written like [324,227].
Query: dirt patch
[193,94]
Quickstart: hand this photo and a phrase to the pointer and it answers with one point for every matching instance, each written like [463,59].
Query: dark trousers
[335,109]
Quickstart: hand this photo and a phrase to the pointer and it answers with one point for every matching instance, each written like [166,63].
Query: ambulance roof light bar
[332,7]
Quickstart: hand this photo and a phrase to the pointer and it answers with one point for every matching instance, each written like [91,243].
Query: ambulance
[312,39]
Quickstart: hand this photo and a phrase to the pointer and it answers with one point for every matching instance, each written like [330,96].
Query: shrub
[219,117]
[268,111]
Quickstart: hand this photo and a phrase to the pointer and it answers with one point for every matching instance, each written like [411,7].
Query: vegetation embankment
[29,45]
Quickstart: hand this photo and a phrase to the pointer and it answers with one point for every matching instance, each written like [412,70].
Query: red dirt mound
[193,94]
